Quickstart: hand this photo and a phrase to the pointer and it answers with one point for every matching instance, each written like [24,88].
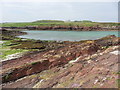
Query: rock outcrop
[10,34]
[59,27]
[76,64]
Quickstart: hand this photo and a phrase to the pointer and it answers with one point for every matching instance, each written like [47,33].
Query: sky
[32,10]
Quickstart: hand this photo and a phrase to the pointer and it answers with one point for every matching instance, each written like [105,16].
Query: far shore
[59,30]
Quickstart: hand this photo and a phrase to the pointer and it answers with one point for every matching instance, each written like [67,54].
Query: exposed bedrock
[10,34]
[65,27]
[26,70]
[108,40]
[55,57]
[52,61]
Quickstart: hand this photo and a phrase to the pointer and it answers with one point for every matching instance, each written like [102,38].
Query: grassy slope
[55,22]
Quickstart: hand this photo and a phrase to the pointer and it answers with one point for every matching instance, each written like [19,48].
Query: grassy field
[57,23]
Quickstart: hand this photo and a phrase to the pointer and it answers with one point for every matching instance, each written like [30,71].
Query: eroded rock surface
[87,64]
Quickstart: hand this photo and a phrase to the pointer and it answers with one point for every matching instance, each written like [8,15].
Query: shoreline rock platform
[89,64]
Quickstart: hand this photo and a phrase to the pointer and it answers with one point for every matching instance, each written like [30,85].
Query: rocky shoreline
[77,28]
[67,64]
[62,64]
[7,34]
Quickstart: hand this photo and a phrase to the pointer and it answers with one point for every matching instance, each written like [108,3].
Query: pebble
[96,81]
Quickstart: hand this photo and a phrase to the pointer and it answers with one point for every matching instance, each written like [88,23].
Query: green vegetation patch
[34,63]
[6,50]
[49,21]
[28,44]
[118,83]
[58,22]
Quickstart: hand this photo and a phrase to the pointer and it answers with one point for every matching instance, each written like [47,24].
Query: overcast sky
[31,10]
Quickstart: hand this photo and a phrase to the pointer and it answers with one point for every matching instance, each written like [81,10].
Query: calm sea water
[67,35]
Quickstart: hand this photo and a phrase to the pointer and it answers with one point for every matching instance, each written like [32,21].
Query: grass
[21,46]
[118,72]
[9,52]
[6,49]
[118,83]
[56,23]
[7,43]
